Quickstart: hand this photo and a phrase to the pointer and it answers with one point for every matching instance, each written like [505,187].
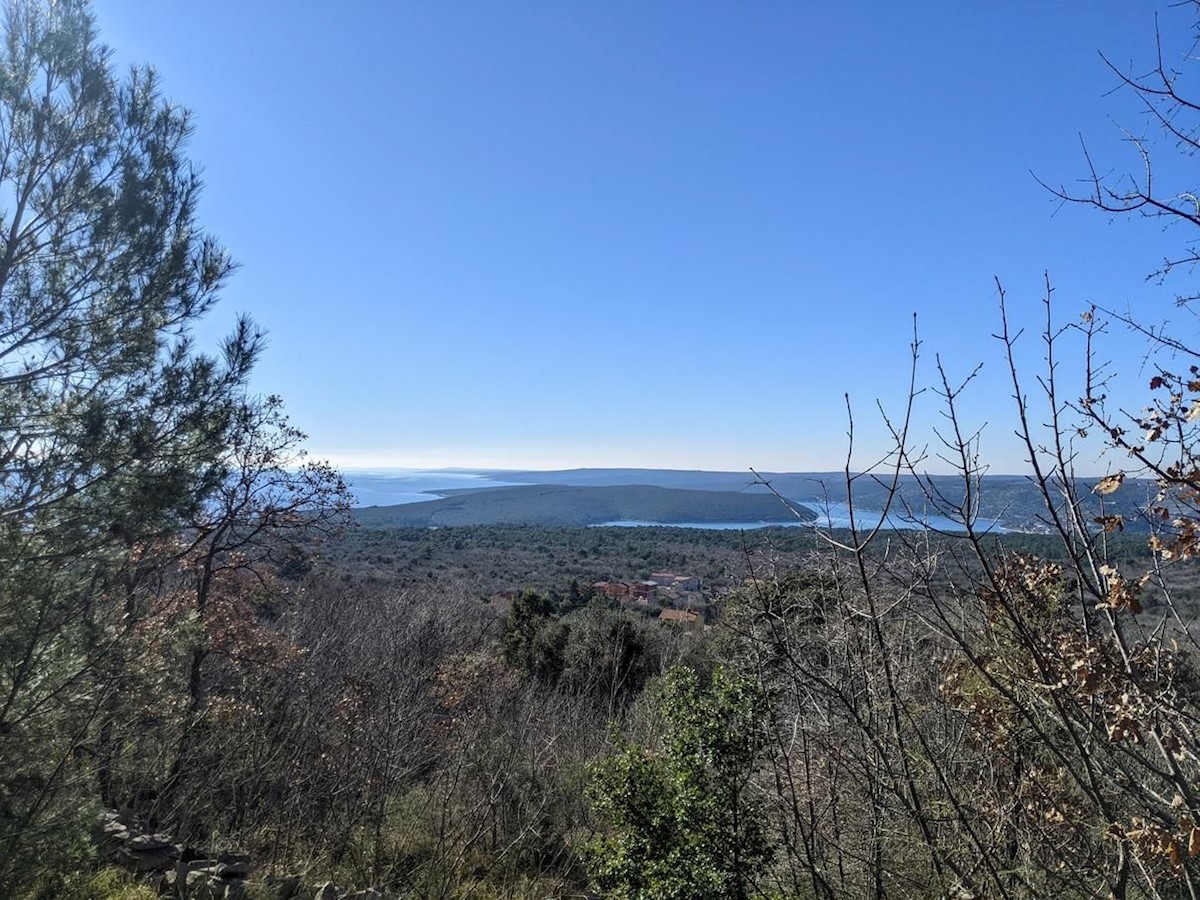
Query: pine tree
[122,448]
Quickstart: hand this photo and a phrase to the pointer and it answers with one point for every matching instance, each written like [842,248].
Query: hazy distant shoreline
[634,497]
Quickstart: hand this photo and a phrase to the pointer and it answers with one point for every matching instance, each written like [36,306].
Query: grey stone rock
[147,860]
[126,817]
[282,887]
[195,877]
[234,867]
[149,842]
[114,829]
[184,872]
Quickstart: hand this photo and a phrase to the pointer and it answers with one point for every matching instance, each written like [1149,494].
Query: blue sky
[650,234]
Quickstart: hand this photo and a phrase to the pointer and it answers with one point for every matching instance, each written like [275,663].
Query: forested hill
[570,505]
[590,496]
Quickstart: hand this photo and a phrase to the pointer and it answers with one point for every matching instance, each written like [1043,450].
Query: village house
[616,589]
[639,591]
[678,617]
[676,582]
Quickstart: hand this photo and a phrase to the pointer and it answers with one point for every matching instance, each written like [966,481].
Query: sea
[389,487]
[829,516]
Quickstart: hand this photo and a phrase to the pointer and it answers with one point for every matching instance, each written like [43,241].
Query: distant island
[575,506]
[584,497]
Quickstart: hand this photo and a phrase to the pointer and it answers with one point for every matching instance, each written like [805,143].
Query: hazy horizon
[384,468]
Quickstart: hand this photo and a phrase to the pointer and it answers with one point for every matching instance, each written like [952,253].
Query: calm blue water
[837,515]
[389,487]
[833,515]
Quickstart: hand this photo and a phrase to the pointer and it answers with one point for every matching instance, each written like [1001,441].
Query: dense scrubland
[489,559]
[195,640]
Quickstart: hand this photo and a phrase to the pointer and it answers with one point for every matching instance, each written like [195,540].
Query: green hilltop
[570,505]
